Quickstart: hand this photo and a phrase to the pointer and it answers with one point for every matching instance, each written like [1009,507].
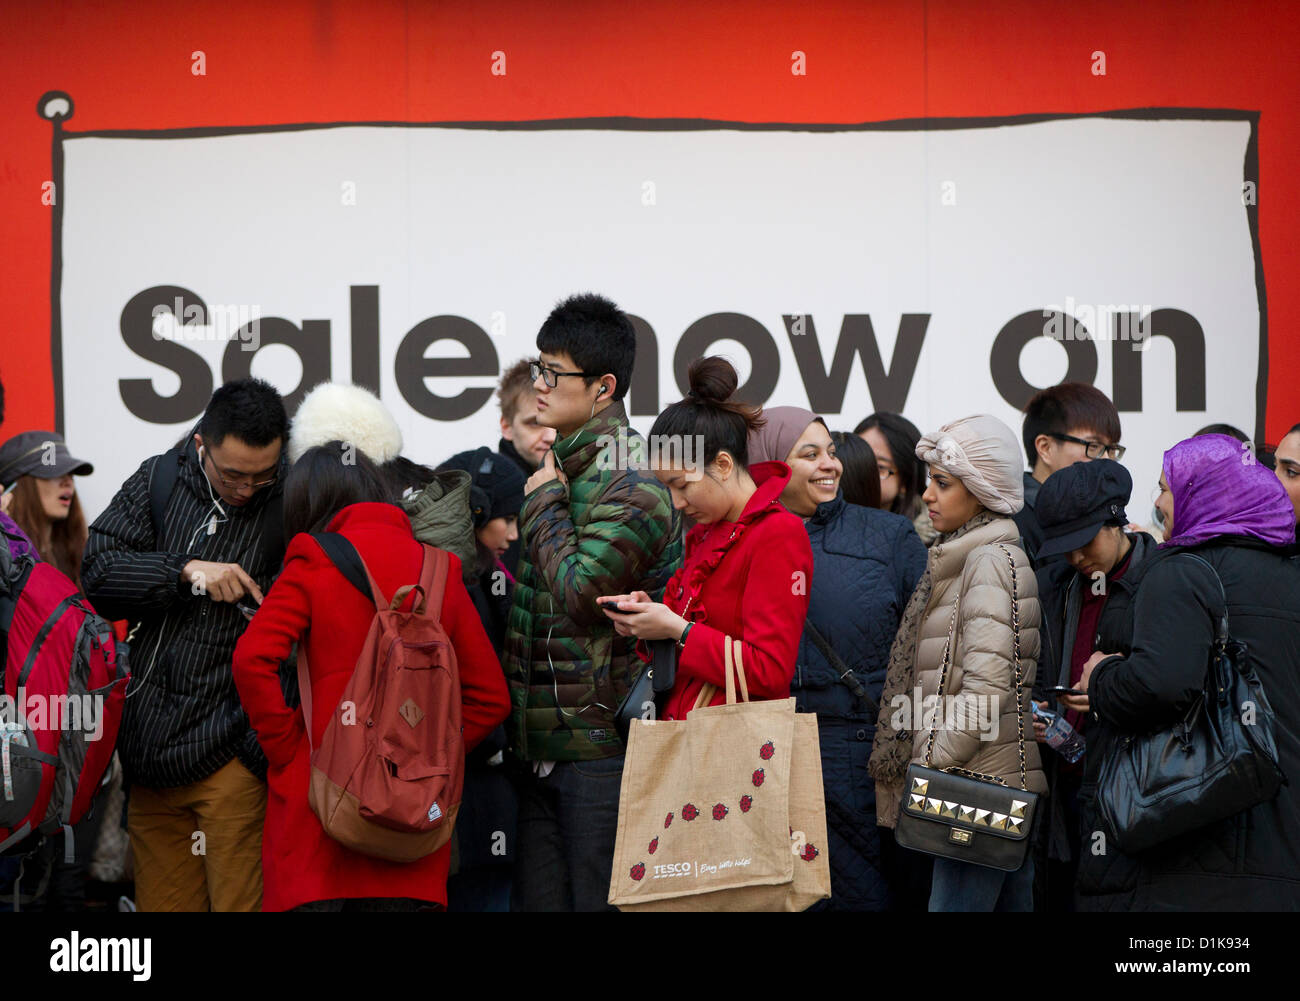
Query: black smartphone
[612,606]
[1062,690]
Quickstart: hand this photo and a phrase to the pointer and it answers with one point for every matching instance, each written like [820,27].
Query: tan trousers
[199,847]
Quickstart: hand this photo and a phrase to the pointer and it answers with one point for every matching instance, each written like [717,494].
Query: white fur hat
[337,412]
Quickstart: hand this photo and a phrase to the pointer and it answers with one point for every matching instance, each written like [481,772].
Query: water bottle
[1065,739]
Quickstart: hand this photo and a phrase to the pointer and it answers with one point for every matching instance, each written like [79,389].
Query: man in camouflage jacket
[590,526]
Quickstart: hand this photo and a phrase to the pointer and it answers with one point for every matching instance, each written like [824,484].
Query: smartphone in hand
[1062,690]
[610,605]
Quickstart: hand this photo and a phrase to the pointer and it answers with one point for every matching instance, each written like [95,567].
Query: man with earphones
[185,550]
[591,524]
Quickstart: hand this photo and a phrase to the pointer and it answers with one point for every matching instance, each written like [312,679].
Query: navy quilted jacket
[866,563]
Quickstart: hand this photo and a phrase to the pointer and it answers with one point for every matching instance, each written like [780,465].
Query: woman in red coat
[313,603]
[748,563]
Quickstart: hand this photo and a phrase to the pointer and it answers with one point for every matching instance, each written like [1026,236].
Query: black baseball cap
[41,454]
[1077,502]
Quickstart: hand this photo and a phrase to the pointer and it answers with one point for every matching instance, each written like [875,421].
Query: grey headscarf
[782,428]
[984,454]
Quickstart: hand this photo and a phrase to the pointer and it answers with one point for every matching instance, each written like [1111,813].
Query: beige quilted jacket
[977,731]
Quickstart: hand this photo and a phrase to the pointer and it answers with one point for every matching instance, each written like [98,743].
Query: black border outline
[1250,172]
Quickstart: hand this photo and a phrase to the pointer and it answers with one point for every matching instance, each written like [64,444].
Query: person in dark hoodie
[1236,517]
[496,494]
[866,563]
[192,759]
[525,440]
[486,825]
[1081,513]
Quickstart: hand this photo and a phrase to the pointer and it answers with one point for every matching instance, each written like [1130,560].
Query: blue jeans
[962,886]
[565,840]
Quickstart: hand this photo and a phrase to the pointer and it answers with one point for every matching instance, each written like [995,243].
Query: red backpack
[386,779]
[65,677]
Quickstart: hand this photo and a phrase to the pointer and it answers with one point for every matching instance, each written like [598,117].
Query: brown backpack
[386,779]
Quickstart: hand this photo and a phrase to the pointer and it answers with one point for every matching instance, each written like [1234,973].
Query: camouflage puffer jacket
[611,531]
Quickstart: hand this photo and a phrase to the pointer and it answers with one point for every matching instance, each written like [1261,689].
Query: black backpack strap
[162,481]
[344,555]
[272,541]
[847,676]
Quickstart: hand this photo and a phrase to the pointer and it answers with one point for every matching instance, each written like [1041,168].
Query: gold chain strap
[1019,679]
[1015,640]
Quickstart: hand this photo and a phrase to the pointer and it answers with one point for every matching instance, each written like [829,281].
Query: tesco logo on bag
[672,869]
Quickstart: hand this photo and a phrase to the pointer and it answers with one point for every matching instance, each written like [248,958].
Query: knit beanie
[497,490]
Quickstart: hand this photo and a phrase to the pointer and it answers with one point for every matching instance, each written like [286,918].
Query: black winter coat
[489,810]
[1250,861]
[511,557]
[866,563]
[1060,627]
[182,720]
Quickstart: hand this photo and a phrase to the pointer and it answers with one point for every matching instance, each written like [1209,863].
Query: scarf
[891,750]
[1219,489]
[782,427]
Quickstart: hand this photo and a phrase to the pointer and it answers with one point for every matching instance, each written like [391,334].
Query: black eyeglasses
[1093,449]
[243,482]
[550,374]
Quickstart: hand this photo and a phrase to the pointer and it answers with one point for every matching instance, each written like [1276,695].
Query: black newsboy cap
[1078,501]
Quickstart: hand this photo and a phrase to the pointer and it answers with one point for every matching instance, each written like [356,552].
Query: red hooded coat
[311,600]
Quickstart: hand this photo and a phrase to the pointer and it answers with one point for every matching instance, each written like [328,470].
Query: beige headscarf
[984,454]
[782,428]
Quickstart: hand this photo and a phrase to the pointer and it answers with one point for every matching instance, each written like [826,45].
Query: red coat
[311,598]
[755,591]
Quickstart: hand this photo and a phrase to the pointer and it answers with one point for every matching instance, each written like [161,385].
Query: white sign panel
[843,269]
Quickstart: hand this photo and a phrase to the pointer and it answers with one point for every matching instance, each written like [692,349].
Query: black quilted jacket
[1061,596]
[1247,862]
[866,563]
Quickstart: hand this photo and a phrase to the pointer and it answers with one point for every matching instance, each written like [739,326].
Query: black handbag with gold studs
[963,815]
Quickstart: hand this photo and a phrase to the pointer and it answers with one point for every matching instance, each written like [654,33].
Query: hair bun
[711,380]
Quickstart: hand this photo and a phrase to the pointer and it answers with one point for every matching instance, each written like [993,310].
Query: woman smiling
[866,562]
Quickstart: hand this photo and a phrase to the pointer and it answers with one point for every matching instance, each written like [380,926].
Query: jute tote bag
[723,811]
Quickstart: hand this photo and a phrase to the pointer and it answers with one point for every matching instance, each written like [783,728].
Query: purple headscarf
[1220,489]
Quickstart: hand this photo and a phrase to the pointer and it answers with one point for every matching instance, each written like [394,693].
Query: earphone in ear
[603,390]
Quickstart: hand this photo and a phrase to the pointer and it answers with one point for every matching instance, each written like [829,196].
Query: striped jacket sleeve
[122,573]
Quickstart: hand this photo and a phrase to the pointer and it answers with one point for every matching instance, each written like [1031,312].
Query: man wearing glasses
[185,551]
[591,525]
[1065,424]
